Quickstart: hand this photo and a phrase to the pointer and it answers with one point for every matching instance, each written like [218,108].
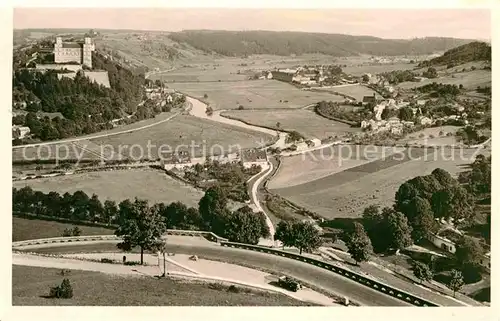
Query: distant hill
[243,43]
[474,51]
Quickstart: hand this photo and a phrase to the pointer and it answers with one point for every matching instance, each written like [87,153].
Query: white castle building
[80,52]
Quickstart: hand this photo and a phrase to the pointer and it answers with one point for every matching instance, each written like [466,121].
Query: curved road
[321,278]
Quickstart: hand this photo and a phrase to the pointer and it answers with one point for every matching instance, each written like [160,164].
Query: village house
[20,132]
[254,157]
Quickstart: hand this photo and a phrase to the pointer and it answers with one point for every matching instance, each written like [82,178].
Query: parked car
[288,283]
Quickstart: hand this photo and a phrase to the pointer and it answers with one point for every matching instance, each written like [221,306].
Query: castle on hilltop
[80,52]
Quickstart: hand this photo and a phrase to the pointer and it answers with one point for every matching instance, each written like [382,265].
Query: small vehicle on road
[289,283]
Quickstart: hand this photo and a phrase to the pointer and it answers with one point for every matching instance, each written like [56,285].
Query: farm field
[119,185]
[306,122]
[470,80]
[30,229]
[251,94]
[359,70]
[325,162]
[30,284]
[347,193]
[74,150]
[207,137]
[356,91]
[431,136]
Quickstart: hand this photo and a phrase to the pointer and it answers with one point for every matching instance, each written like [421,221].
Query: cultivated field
[356,91]
[347,193]
[84,149]
[469,79]
[119,185]
[207,137]
[434,136]
[30,229]
[360,69]
[304,121]
[30,284]
[309,167]
[253,94]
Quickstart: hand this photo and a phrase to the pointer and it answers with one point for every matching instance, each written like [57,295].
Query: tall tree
[359,244]
[284,233]
[96,210]
[452,202]
[398,229]
[110,211]
[421,219]
[456,281]
[244,226]
[422,271]
[306,236]
[213,209]
[139,226]
[469,251]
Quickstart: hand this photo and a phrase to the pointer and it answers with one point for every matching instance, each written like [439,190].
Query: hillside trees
[422,271]
[358,244]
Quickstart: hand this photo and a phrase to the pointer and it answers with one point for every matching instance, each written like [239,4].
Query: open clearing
[347,193]
[304,121]
[207,137]
[324,162]
[30,284]
[356,91]
[469,79]
[31,229]
[119,185]
[431,136]
[253,94]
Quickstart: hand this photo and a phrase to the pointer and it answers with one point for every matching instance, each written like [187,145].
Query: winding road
[320,278]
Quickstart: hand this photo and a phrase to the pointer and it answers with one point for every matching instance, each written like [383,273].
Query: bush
[63,291]
[216,286]
[233,289]
[441,133]
[241,107]
[106,260]
[132,263]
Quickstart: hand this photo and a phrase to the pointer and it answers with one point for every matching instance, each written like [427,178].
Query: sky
[384,23]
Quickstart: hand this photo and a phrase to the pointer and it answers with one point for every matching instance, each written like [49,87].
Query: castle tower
[58,50]
[88,47]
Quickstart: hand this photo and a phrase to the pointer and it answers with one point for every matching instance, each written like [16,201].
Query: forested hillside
[86,106]
[243,43]
[474,51]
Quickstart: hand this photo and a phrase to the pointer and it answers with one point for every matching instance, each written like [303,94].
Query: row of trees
[439,90]
[212,214]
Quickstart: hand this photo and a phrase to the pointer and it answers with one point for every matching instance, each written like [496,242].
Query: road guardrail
[376,285]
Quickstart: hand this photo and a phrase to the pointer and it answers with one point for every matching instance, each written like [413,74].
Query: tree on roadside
[398,229]
[110,211]
[422,271]
[245,226]
[284,233]
[213,209]
[139,225]
[456,281]
[359,244]
[96,210]
[278,125]
[305,236]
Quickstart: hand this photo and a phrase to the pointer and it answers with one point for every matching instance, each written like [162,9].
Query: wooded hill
[243,43]
[474,51]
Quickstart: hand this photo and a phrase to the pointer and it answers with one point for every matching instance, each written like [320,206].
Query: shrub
[132,263]
[106,260]
[441,133]
[241,107]
[233,289]
[63,291]
[431,136]
[216,286]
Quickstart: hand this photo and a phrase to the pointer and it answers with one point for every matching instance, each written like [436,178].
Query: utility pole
[164,265]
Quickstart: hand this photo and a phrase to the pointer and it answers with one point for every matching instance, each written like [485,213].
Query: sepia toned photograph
[251,157]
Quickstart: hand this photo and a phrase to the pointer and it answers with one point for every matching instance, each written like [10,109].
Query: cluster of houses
[182,159]
[311,76]
[161,95]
